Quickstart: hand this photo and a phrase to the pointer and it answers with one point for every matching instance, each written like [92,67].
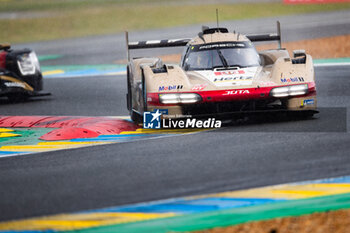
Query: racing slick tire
[135,117]
[128,94]
[17,97]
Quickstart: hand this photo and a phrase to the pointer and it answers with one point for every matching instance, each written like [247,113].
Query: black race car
[20,75]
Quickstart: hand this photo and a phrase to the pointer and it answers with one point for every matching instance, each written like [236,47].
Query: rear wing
[148,44]
[268,37]
[5,46]
[183,42]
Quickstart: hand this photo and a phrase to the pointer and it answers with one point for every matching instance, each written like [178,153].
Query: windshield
[210,56]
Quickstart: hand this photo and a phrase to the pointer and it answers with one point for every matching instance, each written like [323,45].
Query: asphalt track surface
[240,155]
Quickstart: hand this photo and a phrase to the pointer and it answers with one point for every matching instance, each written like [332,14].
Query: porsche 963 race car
[221,72]
[20,75]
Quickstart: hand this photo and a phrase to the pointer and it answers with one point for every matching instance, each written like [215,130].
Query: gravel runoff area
[325,222]
[329,47]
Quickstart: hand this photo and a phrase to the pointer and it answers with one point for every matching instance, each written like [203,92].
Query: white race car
[221,72]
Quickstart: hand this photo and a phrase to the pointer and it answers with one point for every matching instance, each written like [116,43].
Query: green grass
[39,5]
[75,18]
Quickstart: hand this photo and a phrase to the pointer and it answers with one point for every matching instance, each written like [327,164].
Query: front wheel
[135,117]
[19,97]
[128,95]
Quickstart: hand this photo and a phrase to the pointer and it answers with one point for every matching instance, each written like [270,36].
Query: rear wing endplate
[268,37]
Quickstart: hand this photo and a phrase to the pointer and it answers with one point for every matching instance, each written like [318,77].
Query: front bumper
[237,101]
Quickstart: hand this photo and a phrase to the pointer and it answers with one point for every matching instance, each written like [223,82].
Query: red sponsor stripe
[312,1]
[229,95]
[3,59]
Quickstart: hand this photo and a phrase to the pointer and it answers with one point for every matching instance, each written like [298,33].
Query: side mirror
[299,53]
[299,57]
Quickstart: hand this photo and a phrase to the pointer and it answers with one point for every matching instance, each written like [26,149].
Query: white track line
[332,64]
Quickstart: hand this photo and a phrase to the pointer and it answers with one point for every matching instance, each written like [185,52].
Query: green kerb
[28,136]
[332,60]
[224,218]
[82,67]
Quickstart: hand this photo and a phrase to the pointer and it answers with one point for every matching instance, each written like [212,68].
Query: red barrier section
[312,1]
[70,127]
[111,126]
[62,122]
[21,121]
[68,133]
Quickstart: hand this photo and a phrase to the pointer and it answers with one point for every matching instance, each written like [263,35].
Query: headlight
[28,63]
[179,98]
[298,89]
[280,91]
[289,90]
